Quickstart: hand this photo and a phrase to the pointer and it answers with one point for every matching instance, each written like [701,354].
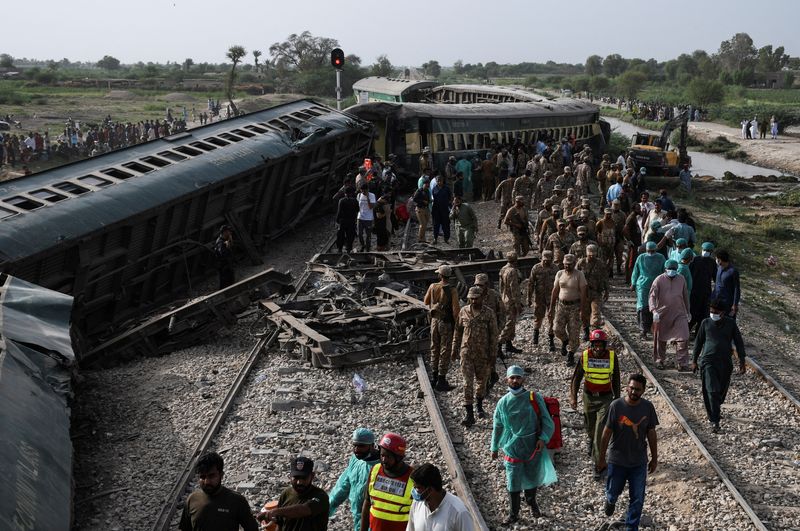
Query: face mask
[516,391]
[415,494]
[706,253]
[715,316]
[671,272]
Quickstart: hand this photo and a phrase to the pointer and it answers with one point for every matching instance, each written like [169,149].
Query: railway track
[756,453]
[263,358]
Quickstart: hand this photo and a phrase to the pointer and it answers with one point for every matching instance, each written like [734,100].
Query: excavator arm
[682,121]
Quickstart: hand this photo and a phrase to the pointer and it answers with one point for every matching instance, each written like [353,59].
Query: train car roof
[244,143]
[392,86]
[472,110]
[493,89]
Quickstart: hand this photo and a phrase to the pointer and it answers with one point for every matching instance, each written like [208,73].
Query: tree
[432,68]
[6,61]
[187,64]
[256,55]
[108,63]
[614,65]
[302,52]
[235,54]
[737,53]
[599,83]
[594,65]
[771,61]
[458,67]
[382,67]
[702,92]
[630,83]
[788,79]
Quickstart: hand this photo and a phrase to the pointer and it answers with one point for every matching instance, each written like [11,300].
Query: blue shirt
[727,286]
[613,192]
[666,203]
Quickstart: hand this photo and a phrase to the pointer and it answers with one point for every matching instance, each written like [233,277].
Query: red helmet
[394,443]
[598,335]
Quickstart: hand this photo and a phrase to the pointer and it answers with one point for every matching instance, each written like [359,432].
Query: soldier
[544,188]
[602,181]
[540,285]
[467,220]
[525,187]
[565,177]
[442,300]
[585,218]
[619,218]
[559,194]
[549,225]
[559,242]
[491,299]
[607,238]
[569,203]
[521,163]
[425,160]
[583,175]
[511,297]
[474,338]
[517,221]
[596,286]
[568,307]
[599,368]
[488,175]
[578,248]
[503,194]
[543,215]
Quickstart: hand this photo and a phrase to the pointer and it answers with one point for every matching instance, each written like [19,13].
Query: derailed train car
[466,120]
[133,229]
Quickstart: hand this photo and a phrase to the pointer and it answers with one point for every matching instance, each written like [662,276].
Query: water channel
[702,163]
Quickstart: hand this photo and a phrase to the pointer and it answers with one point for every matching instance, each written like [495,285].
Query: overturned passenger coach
[133,229]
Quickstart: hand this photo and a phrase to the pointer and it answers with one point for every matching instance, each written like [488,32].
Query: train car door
[425,132]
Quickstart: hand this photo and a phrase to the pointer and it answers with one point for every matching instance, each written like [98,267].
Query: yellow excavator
[653,152]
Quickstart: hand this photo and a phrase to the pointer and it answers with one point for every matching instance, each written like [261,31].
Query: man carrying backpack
[599,369]
[522,434]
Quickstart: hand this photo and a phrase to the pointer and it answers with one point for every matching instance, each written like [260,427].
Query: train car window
[315,112]
[94,180]
[278,124]
[171,155]
[256,129]
[25,203]
[267,126]
[203,146]
[439,137]
[155,161]
[232,138]
[186,150]
[138,167]
[7,213]
[216,141]
[117,173]
[72,188]
[47,195]
[460,143]
[451,145]
[246,134]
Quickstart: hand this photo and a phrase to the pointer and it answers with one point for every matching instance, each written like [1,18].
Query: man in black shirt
[303,506]
[223,250]
[346,215]
[213,507]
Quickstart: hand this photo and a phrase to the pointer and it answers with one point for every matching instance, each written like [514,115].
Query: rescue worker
[388,500]
[713,348]
[669,302]
[516,219]
[599,369]
[647,267]
[607,238]
[511,297]
[578,247]
[540,285]
[568,307]
[352,482]
[559,242]
[464,214]
[596,286]
[503,194]
[442,300]
[522,435]
[684,260]
[525,187]
[473,341]
[491,300]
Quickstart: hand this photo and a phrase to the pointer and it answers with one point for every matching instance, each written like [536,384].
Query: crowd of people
[591,220]
[656,110]
[753,129]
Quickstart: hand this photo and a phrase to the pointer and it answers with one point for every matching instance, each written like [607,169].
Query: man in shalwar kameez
[669,302]
[647,267]
[523,436]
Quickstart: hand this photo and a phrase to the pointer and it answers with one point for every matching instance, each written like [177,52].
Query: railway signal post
[337,61]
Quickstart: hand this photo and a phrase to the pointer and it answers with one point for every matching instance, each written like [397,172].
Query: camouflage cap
[481,279]
[584,213]
[547,255]
[585,201]
[569,258]
[511,256]
[591,249]
[608,211]
[558,188]
[475,293]
[445,270]
[582,229]
[548,173]
[548,202]
[519,198]
[567,169]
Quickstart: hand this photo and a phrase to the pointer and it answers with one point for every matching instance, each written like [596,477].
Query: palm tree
[256,55]
[235,54]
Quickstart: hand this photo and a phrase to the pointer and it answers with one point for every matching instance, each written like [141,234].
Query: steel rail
[762,372]
[460,482]
[164,518]
[688,429]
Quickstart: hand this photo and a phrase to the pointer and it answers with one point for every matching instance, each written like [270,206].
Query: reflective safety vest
[390,500]
[598,372]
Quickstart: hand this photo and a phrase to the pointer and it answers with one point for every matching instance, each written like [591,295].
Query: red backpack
[554,408]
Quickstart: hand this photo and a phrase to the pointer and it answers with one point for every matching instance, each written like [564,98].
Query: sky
[409,32]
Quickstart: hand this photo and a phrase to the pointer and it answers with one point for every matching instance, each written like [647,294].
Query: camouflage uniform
[597,286]
[525,187]
[543,215]
[559,244]
[544,189]
[578,248]
[583,174]
[474,339]
[511,296]
[540,286]
[568,204]
[568,316]
[517,221]
[602,182]
[442,299]
[607,238]
[503,193]
[619,218]
[549,226]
